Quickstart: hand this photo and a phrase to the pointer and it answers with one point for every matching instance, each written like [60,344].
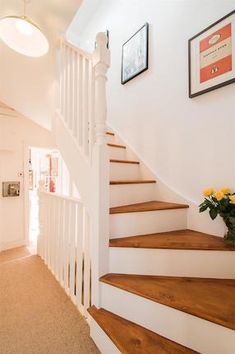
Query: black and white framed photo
[212,56]
[135,54]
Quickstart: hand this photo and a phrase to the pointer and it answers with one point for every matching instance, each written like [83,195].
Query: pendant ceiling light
[23,36]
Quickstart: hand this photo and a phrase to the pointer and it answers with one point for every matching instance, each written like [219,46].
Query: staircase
[169,289]
[156,287]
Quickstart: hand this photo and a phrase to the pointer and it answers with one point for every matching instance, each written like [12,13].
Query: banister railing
[77,94]
[82,114]
[64,244]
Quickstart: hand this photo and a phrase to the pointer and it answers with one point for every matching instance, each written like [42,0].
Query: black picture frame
[132,65]
[205,73]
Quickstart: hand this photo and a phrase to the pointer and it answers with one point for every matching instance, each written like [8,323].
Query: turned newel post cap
[101,54]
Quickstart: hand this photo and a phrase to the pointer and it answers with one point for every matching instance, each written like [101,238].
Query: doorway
[48,168]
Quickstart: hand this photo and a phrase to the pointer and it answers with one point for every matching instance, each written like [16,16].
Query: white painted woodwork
[80,129]
[110,138]
[77,95]
[140,223]
[64,242]
[131,193]
[193,332]
[124,171]
[117,153]
[170,262]
[100,169]
[103,342]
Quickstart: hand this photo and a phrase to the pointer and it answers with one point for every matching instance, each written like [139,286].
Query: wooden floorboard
[210,299]
[147,206]
[131,338]
[176,240]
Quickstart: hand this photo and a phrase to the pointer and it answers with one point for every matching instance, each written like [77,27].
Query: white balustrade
[77,94]
[74,234]
[63,244]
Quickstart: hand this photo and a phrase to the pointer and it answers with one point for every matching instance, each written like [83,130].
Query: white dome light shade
[23,36]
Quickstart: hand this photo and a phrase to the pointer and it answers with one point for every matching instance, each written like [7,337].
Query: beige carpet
[36,316]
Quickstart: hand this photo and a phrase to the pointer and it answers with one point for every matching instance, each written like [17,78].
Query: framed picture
[135,54]
[212,57]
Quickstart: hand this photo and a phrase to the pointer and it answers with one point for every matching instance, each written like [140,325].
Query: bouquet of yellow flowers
[221,202]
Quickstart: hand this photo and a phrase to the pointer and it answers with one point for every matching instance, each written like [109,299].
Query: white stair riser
[103,342]
[117,153]
[185,263]
[131,194]
[124,171]
[111,139]
[191,331]
[131,224]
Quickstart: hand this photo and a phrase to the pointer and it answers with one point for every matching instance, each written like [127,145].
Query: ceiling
[27,84]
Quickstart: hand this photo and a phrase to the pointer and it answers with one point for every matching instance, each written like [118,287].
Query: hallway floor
[36,316]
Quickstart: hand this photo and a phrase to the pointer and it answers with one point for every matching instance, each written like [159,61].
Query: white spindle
[61,60]
[71,90]
[75,108]
[72,250]
[66,117]
[79,255]
[66,244]
[87,268]
[91,95]
[61,249]
[85,107]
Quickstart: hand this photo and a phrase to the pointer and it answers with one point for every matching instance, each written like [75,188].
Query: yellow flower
[232,199]
[226,190]
[208,192]
[219,195]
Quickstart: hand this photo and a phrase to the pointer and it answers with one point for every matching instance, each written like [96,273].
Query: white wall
[16,135]
[188,143]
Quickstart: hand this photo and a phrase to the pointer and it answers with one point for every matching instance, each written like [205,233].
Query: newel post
[101,62]
[100,169]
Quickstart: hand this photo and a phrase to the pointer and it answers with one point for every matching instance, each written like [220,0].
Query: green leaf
[202,208]
[213,213]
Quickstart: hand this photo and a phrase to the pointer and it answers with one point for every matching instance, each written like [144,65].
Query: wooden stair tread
[132,182]
[146,206]
[110,133]
[177,240]
[131,338]
[117,146]
[124,161]
[209,299]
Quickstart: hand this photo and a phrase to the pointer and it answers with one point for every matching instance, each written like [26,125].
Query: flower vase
[229,237]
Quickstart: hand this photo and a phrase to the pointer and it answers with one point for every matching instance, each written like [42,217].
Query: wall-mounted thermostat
[10,189]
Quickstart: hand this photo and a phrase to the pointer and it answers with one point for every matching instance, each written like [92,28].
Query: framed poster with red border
[212,57]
